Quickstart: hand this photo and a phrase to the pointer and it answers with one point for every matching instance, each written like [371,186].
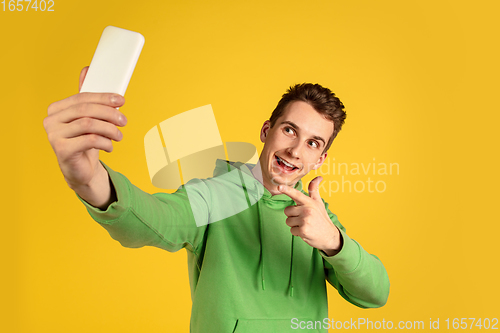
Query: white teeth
[286,163]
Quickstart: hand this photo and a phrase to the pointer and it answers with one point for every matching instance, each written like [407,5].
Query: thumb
[314,188]
[83,74]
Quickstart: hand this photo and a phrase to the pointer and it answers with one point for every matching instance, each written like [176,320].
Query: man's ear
[320,161]
[264,130]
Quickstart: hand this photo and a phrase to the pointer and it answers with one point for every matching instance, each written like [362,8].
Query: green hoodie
[247,272]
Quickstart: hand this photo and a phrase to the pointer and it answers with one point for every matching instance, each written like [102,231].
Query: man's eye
[288,130]
[313,144]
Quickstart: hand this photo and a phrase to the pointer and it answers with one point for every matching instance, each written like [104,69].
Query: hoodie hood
[241,174]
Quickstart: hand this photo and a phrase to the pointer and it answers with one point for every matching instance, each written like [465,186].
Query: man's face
[294,145]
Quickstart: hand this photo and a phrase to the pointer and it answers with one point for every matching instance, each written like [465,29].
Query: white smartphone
[114,61]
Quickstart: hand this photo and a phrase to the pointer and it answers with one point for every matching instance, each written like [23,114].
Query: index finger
[110,99]
[297,196]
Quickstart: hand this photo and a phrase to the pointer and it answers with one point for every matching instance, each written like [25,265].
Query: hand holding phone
[80,125]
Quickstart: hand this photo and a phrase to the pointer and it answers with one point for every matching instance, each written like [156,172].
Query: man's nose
[293,151]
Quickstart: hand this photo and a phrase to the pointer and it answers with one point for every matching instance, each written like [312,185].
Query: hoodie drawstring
[290,283]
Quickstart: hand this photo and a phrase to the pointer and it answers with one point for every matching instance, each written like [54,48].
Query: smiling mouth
[285,164]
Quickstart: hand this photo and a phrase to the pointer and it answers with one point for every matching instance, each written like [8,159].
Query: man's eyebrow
[290,123]
[295,127]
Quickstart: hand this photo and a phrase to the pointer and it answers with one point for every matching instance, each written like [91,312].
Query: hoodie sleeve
[140,219]
[358,276]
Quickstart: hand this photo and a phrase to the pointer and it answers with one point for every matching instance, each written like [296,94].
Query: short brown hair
[322,99]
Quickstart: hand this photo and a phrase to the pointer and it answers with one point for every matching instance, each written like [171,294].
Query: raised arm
[77,128]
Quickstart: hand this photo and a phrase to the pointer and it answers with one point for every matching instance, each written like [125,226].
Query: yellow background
[420,85]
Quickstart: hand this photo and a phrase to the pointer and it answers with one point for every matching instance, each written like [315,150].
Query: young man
[255,270]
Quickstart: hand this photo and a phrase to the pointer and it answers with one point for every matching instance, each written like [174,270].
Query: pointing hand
[309,220]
